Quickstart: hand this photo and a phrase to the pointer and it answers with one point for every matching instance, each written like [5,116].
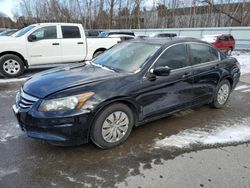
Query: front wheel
[11,66]
[112,126]
[222,94]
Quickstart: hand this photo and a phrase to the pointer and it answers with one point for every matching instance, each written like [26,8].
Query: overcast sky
[6,6]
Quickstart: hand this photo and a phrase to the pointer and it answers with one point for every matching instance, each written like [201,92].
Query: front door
[45,48]
[168,93]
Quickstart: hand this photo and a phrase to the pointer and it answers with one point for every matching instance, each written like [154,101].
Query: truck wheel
[112,126]
[11,66]
[97,53]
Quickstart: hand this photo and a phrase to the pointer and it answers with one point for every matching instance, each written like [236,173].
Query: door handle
[80,43]
[55,44]
[186,75]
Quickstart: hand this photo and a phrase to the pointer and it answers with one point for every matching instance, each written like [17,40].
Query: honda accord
[132,83]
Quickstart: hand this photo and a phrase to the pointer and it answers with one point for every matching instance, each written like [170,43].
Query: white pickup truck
[48,43]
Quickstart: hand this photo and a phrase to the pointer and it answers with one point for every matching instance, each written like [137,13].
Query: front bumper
[66,131]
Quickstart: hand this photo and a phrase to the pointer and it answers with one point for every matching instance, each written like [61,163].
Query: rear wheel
[112,126]
[11,66]
[222,94]
[97,53]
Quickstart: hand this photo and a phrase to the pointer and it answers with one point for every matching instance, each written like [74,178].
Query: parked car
[8,32]
[48,43]
[141,36]
[109,33]
[224,42]
[92,33]
[2,29]
[132,83]
[169,35]
[123,37]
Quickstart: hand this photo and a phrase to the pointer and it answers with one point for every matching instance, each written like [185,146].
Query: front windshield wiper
[104,66]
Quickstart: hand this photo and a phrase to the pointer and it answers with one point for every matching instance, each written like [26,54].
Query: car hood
[8,43]
[58,79]
[5,39]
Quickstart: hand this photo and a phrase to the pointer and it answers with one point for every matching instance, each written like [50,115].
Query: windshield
[23,31]
[126,57]
[3,33]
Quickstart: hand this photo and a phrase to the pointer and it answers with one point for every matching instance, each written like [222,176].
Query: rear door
[73,43]
[46,48]
[172,92]
[206,66]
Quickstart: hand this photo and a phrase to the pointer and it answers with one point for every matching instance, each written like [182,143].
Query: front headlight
[65,103]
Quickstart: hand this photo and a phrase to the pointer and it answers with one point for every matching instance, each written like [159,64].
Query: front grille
[26,101]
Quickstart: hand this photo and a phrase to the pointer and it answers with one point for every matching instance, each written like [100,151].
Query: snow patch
[9,131]
[242,87]
[52,184]
[7,94]
[6,172]
[246,91]
[73,180]
[237,133]
[13,80]
[244,60]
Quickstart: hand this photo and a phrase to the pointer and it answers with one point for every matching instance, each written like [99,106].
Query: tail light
[238,65]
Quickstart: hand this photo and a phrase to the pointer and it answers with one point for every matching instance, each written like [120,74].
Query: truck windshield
[23,31]
[126,57]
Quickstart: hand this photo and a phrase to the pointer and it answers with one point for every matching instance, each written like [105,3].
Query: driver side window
[175,57]
[48,32]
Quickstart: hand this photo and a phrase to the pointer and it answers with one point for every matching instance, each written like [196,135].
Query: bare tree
[211,3]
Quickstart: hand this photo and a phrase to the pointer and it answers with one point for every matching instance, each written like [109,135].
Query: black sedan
[132,83]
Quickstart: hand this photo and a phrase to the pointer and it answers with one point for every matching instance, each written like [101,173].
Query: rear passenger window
[70,32]
[201,53]
[175,57]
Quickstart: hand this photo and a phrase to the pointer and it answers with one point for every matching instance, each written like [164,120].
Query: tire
[222,94]
[105,131]
[97,53]
[11,66]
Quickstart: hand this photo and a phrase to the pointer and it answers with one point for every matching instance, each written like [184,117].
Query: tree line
[136,14]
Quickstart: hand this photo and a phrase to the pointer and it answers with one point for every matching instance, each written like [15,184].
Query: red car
[224,42]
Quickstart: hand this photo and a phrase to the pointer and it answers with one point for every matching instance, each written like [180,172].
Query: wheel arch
[99,50]
[17,54]
[228,78]
[124,100]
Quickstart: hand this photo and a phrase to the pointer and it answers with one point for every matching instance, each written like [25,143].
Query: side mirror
[161,71]
[32,38]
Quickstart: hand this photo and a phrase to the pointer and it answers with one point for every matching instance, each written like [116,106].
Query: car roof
[216,35]
[121,33]
[168,41]
[57,23]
